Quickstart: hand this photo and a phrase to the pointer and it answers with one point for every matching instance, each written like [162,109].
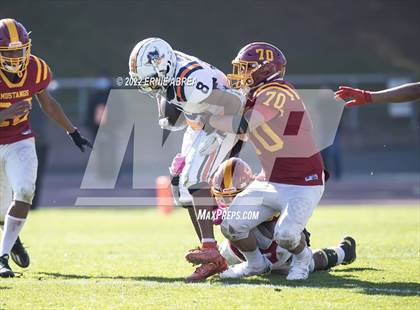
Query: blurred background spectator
[332,157]
[96,105]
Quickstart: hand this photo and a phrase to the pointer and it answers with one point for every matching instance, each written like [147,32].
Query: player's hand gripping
[81,142]
[357,96]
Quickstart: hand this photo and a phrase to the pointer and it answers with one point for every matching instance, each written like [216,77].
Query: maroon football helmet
[15,46]
[256,63]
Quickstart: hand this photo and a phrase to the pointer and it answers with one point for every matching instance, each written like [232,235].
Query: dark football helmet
[256,63]
[15,46]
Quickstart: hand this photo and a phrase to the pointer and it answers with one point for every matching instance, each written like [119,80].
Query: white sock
[254,258]
[306,251]
[208,240]
[12,228]
[340,254]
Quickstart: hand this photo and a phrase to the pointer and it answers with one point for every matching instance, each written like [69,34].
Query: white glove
[209,144]
[164,124]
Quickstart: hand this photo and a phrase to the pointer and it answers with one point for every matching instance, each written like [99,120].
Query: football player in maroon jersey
[22,76]
[234,176]
[278,125]
[403,93]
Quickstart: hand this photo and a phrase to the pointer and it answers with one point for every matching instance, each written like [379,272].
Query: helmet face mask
[15,47]
[149,85]
[241,75]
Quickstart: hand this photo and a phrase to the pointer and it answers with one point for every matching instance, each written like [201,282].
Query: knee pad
[233,231]
[24,193]
[287,238]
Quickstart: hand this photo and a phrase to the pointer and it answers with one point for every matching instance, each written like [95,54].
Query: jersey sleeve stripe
[290,89]
[44,70]
[280,89]
[183,73]
[38,70]
[287,89]
[293,123]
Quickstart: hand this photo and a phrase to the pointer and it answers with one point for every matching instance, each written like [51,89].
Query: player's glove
[81,142]
[358,96]
[209,144]
[178,164]
[164,123]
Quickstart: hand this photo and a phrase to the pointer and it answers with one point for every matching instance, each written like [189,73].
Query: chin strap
[271,77]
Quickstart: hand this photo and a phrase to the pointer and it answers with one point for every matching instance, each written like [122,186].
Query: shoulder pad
[42,70]
[277,88]
[194,83]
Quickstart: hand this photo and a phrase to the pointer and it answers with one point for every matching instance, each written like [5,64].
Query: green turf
[133,259]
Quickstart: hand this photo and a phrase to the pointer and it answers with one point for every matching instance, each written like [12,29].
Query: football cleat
[349,247]
[207,270]
[299,268]
[204,255]
[5,270]
[19,254]
[245,270]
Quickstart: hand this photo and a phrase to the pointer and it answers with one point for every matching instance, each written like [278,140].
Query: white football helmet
[152,65]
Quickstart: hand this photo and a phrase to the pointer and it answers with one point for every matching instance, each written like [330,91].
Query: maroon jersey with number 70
[284,142]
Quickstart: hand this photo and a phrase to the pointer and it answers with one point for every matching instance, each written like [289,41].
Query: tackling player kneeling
[232,178]
[22,76]
[278,125]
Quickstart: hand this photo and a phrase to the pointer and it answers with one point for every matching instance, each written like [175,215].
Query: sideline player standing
[22,76]
[277,124]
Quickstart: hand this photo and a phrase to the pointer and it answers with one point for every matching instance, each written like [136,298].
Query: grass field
[133,259]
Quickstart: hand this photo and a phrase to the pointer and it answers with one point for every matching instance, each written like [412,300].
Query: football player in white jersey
[188,91]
